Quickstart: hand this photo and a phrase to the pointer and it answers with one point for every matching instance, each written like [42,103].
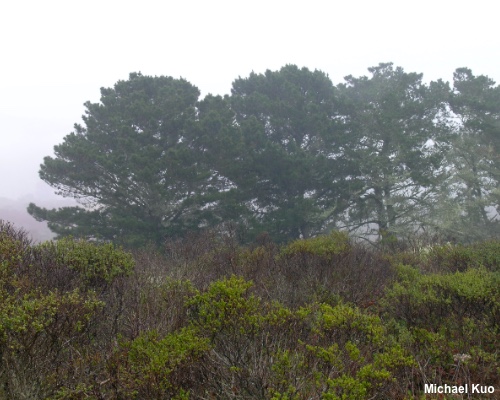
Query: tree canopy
[471,195]
[393,122]
[139,165]
[285,117]
[287,152]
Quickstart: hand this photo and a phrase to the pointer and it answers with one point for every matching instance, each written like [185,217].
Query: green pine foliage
[288,153]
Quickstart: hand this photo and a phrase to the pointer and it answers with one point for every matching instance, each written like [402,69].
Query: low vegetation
[206,318]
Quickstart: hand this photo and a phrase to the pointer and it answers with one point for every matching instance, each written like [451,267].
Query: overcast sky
[55,55]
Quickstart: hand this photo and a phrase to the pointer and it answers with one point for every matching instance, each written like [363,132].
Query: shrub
[225,306]
[460,257]
[452,257]
[446,314]
[156,367]
[95,265]
[325,246]
[343,353]
[40,331]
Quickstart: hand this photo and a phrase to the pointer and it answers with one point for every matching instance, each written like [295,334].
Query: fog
[56,55]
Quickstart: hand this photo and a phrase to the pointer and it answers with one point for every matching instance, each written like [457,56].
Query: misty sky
[55,55]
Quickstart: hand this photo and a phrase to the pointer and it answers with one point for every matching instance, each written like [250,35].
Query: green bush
[225,306]
[156,367]
[460,257]
[322,318]
[452,257]
[426,300]
[325,246]
[446,315]
[342,353]
[96,265]
[40,331]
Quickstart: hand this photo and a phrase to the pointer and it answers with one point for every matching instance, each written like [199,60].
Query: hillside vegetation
[205,318]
